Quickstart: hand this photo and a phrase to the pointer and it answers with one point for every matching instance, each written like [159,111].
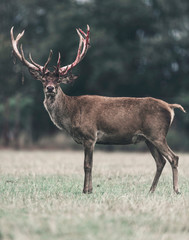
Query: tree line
[138,48]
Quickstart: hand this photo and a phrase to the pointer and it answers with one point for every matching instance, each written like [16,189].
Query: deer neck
[57,106]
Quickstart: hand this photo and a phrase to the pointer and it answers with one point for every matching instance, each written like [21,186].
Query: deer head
[52,80]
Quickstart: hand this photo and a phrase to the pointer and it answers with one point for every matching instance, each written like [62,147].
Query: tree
[137,49]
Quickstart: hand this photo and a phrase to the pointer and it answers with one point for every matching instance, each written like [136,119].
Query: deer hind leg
[160,163]
[88,163]
[164,149]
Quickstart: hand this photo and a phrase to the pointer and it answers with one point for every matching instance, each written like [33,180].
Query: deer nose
[50,88]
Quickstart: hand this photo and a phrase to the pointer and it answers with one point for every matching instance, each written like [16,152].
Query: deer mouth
[48,93]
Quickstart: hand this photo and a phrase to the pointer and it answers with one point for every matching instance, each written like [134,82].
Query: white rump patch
[172,115]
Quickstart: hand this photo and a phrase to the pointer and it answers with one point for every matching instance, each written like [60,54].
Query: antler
[84,45]
[44,68]
[21,56]
[85,42]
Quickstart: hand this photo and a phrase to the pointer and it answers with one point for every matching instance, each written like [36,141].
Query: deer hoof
[178,193]
[87,191]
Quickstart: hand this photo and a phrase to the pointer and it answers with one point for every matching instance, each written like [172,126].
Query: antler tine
[15,42]
[80,44]
[42,69]
[85,42]
[34,63]
[86,45]
[65,69]
[58,62]
[88,28]
[48,60]
[20,55]
[59,57]
[16,52]
[28,64]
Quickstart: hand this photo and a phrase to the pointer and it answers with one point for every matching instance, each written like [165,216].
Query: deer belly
[108,138]
[119,138]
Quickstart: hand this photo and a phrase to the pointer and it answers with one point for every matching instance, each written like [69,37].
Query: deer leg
[164,149]
[160,163]
[88,163]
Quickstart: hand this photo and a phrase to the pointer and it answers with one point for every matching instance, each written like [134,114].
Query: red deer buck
[94,120]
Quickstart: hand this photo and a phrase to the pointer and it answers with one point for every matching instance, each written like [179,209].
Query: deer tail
[177,106]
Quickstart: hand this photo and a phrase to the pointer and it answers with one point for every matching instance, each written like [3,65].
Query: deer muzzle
[50,89]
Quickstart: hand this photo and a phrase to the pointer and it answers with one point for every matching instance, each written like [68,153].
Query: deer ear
[68,79]
[35,74]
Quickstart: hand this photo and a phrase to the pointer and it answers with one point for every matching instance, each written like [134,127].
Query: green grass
[41,198]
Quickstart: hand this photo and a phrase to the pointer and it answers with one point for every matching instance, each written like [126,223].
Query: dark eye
[58,80]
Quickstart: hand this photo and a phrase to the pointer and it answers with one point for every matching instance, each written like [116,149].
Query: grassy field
[41,197]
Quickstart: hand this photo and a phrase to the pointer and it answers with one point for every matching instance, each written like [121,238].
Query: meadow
[41,197]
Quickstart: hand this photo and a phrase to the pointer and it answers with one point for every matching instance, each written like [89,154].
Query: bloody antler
[21,57]
[85,43]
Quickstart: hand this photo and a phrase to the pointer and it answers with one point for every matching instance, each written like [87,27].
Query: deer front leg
[88,163]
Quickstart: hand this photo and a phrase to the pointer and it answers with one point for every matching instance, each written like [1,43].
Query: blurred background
[138,48]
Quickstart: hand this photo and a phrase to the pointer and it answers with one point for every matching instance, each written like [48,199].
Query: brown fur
[105,120]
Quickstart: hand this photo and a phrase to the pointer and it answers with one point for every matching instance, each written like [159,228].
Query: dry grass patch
[40,198]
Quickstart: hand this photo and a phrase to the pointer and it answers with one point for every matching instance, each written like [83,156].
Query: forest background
[138,48]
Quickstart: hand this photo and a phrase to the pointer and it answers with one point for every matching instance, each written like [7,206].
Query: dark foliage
[137,49]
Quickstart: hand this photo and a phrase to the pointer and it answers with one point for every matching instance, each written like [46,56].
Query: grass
[41,198]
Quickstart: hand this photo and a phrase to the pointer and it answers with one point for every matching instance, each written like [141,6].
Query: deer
[93,119]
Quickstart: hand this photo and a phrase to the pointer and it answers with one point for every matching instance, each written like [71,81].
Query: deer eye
[58,80]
